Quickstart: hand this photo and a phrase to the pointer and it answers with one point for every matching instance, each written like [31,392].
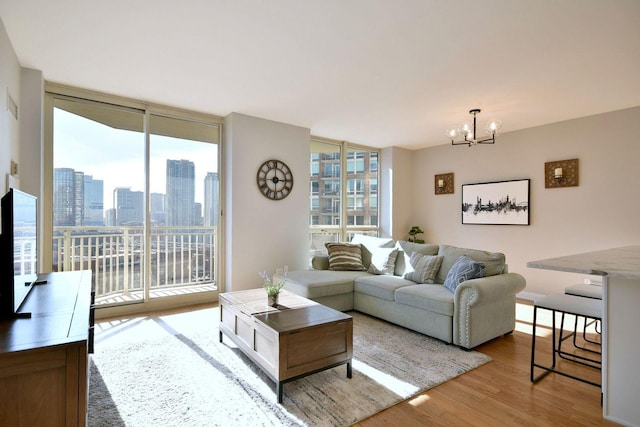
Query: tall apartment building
[180,194]
[361,180]
[64,197]
[157,209]
[77,198]
[93,201]
[128,206]
[211,199]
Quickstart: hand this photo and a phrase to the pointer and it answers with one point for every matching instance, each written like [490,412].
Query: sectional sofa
[461,296]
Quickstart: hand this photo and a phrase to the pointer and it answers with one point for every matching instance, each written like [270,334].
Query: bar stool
[586,290]
[565,304]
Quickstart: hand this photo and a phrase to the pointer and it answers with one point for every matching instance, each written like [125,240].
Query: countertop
[623,262]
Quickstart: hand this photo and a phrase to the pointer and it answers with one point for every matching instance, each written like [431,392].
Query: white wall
[9,126]
[396,192]
[262,234]
[602,212]
[31,131]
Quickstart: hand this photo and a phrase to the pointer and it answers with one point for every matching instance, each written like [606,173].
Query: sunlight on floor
[397,386]
[524,320]
[419,400]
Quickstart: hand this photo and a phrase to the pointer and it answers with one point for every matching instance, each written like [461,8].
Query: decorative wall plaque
[444,183]
[561,173]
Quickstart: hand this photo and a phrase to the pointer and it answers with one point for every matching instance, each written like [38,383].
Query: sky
[117,156]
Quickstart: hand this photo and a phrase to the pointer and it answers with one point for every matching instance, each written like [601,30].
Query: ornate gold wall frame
[443,183]
[570,173]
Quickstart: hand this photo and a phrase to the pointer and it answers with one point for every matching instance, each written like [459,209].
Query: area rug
[194,380]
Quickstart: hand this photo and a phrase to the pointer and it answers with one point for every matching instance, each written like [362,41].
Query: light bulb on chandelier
[468,131]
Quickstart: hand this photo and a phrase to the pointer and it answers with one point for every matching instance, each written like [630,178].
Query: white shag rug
[191,379]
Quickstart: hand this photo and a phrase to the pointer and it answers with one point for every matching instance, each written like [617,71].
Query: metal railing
[180,257]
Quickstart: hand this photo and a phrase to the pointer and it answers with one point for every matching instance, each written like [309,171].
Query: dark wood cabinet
[44,358]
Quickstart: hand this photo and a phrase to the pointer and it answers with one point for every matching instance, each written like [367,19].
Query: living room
[590,216]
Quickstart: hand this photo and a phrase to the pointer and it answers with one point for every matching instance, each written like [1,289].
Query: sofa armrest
[485,308]
[320,262]
[489,289]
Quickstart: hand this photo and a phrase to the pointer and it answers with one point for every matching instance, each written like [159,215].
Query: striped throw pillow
[424,268]
[345,256]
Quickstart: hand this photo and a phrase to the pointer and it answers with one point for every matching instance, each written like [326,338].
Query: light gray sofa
[477,311]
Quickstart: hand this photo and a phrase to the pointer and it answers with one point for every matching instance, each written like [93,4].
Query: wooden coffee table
[299,338]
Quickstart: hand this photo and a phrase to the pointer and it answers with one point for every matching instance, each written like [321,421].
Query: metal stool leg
[586,361]
[552,368]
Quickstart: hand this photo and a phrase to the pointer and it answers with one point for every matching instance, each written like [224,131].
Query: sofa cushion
[320,262]
[494,262]
[369,244]
[463,269]
[321,283]
[425,268]
[383,261]
[408,248]
[345,256]
[380,286]
[435,298]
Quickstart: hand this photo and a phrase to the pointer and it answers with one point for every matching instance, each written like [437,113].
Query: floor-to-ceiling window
[136,197]
[343,192]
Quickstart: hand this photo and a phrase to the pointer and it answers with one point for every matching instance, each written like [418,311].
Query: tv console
[44,358]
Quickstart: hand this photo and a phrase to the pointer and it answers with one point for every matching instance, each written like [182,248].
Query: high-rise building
[326,194]
[78,198]
[198,214]
[157,209]
[64,196]
[128,206]
[211,199]
[93,201]
[180,199]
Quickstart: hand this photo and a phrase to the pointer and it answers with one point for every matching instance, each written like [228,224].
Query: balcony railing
[180,257]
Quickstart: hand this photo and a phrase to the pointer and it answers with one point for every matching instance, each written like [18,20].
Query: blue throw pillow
[463,269]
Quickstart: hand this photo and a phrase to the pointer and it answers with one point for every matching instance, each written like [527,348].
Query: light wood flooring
[500,392]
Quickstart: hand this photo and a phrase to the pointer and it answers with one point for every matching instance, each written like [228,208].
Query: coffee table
[298,338]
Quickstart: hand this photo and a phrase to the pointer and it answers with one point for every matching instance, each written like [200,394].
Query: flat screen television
[18,250]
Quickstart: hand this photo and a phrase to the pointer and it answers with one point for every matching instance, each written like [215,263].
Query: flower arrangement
[272,287]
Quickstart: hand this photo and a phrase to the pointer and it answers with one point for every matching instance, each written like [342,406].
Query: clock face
[275,179]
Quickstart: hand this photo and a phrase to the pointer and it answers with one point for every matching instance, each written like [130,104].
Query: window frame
[59,91]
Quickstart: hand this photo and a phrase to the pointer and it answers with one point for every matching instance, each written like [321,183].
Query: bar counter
[620,271]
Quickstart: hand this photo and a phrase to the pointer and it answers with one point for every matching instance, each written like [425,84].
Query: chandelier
[468,132]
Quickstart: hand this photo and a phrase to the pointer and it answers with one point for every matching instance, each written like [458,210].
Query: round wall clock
[275,179]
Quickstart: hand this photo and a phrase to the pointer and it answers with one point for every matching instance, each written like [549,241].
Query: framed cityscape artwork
[496,203]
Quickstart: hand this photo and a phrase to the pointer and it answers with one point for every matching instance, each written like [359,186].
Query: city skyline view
[116,156]
[78,200]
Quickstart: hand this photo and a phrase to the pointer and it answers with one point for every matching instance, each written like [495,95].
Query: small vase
[273,300]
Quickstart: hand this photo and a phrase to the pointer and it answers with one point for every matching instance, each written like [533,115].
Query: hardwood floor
[500,392]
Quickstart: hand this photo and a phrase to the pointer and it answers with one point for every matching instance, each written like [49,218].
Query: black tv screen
[19,249]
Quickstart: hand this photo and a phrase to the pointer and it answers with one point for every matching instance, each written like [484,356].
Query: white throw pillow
[369,243]
[383,261]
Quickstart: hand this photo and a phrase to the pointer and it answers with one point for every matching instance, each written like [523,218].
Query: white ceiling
[373,72]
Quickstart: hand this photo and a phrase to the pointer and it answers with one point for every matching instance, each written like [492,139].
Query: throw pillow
[406,249]
[369,243]
[494,262]
[425,267]
[344,256]
[383,261]
[463,269]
